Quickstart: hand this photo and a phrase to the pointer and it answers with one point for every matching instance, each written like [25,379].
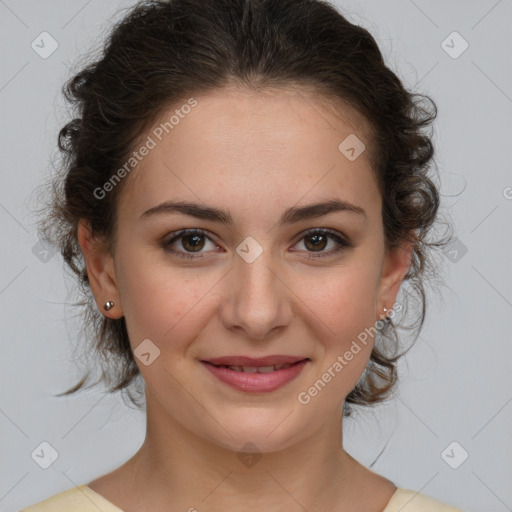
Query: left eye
[318,240]
[194,240]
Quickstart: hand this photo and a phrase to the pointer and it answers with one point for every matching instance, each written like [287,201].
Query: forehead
[237,145]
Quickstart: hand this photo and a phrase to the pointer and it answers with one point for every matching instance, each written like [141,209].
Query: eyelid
[171,237]
[342,241]
[334,233]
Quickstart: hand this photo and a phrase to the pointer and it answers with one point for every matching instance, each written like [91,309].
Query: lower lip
[256,382]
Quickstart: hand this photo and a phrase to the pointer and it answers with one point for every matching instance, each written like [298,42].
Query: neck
[175,466]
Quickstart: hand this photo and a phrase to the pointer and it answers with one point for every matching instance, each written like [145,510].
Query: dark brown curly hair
[165,51]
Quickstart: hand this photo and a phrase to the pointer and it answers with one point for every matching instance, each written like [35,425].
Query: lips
[257,362]
[254,369]
[261,374]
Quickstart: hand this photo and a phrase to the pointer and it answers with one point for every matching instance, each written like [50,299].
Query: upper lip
[254,361]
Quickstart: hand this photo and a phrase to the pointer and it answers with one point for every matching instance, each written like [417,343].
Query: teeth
[265,369]
[256,369]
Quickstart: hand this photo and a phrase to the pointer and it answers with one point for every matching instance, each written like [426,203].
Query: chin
[253,430]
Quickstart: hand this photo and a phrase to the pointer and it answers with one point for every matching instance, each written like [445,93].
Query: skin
[254,154]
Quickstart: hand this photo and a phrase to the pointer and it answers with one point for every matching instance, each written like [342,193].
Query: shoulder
[406,500]
[77,499]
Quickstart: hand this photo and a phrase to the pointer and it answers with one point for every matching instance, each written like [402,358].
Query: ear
[100,271]
[395,266]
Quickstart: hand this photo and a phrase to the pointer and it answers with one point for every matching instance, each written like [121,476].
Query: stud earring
[108,305]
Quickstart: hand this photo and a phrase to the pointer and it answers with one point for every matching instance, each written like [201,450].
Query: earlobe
[100,271]
[396,264]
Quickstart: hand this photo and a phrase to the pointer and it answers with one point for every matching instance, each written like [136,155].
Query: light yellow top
[84,499]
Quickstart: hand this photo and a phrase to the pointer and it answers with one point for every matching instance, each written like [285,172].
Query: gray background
[456,383]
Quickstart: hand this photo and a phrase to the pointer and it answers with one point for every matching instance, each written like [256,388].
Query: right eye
[192,242]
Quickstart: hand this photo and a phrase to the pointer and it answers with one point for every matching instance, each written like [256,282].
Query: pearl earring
[108,305]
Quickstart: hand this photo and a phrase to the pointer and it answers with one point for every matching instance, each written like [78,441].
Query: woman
[246,189]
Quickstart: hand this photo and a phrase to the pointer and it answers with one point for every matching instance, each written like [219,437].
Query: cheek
[343,314]
[343,301]
[157,302]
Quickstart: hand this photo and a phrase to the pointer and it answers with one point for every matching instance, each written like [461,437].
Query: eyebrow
[290,216]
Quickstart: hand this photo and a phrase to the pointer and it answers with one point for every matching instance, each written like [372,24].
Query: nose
[258,300]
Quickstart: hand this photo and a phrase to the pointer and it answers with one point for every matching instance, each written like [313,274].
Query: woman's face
[256,282]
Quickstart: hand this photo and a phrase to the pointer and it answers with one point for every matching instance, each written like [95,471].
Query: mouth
[256,375]
[254,369]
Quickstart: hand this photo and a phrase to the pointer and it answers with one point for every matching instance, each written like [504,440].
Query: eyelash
[342,242]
